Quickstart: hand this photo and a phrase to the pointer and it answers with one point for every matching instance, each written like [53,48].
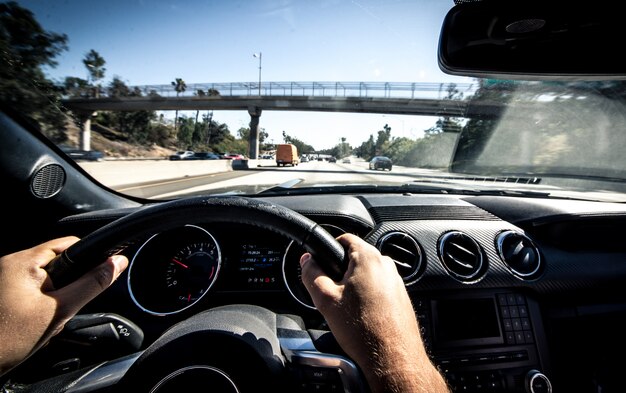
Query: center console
[489,341]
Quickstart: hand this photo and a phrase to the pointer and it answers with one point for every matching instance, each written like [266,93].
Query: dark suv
[381,162]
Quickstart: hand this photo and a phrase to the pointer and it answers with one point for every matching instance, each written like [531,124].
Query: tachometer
[173,270]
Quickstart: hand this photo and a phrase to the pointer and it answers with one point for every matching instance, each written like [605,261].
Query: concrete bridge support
[84,118]
[255,115]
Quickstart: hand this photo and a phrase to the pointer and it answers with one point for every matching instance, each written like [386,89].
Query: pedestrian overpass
[423,99]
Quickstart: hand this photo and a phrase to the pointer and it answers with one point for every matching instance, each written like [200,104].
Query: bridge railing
[405,90]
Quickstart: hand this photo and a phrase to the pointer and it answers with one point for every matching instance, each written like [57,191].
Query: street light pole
[260,56]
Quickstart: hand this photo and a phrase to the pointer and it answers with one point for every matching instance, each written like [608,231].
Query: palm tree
[95,68]
[180,86]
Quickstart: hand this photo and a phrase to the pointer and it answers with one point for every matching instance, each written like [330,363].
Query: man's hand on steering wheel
[31,309]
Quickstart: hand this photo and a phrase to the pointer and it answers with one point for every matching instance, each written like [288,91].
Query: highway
[251,180]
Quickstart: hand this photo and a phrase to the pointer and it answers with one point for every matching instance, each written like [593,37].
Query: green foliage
[179,85]
[25,47]
[303,148]
[216,132]
[400,150]
[340,150]
[139,126]
[230,144]
[207,135]
[244,133]
[95,67]
[382,142]
[75,87]
[367,150]
[184,136]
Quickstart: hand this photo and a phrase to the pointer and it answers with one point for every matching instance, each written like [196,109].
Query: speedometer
[173,270]
[190,272]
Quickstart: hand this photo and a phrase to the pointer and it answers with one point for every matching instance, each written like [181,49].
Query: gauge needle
[180,263]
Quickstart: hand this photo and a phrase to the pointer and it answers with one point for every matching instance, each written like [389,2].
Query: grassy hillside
[114,144]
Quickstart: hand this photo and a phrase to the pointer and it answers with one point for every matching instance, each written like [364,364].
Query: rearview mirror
[550,40]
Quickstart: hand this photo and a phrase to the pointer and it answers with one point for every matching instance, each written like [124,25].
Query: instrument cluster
[173,270]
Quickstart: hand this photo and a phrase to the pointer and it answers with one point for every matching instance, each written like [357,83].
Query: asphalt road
[181,180]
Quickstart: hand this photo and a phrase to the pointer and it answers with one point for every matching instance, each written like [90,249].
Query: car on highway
[502,221]
[346,160]
[83,155]
[182,155]
[233,156]
[203,155]
[380,162]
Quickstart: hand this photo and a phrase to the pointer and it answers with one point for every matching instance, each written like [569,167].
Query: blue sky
[153,42]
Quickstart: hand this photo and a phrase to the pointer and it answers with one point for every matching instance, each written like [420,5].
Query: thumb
[317,283]
[77,294]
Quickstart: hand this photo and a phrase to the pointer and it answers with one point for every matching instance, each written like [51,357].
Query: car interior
[514,292]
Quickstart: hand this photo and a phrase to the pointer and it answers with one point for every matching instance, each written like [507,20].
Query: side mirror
[531,40]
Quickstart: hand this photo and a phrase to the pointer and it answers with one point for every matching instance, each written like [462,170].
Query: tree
[95,69]
[367,150]
[185,133]
[399,150]
[302,147]
[75,87]
[136,125]
[179,86]
[382,141]
[25,47]
[447,123]
[218,132]
[244,133]
[344,149]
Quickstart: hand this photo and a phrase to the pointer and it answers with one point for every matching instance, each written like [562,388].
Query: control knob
[537,382]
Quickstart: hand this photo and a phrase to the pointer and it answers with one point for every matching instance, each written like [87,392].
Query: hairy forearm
[401,373]
[399,363]
[407,378]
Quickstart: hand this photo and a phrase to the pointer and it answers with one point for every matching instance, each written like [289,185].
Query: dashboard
[500,286]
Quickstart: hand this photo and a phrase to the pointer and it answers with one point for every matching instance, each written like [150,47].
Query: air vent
[519,253]
[48,181]
[461,256]
[405,252]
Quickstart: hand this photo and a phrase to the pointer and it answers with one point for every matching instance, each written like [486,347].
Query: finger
[314,279]
[347,239]
[76,295]
[59,245]
[52,248]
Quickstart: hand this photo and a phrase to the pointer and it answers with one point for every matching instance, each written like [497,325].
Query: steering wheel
[233,348]
[117,235]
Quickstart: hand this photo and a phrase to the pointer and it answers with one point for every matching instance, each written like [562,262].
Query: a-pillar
[255,115]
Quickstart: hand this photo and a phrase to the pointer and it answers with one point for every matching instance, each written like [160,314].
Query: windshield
[297,96]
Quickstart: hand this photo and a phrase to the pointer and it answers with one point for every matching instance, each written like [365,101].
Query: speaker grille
[48,181]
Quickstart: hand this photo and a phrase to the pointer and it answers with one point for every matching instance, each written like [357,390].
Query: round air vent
[47,181]
[405,252]
[461,256]
[519,253]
